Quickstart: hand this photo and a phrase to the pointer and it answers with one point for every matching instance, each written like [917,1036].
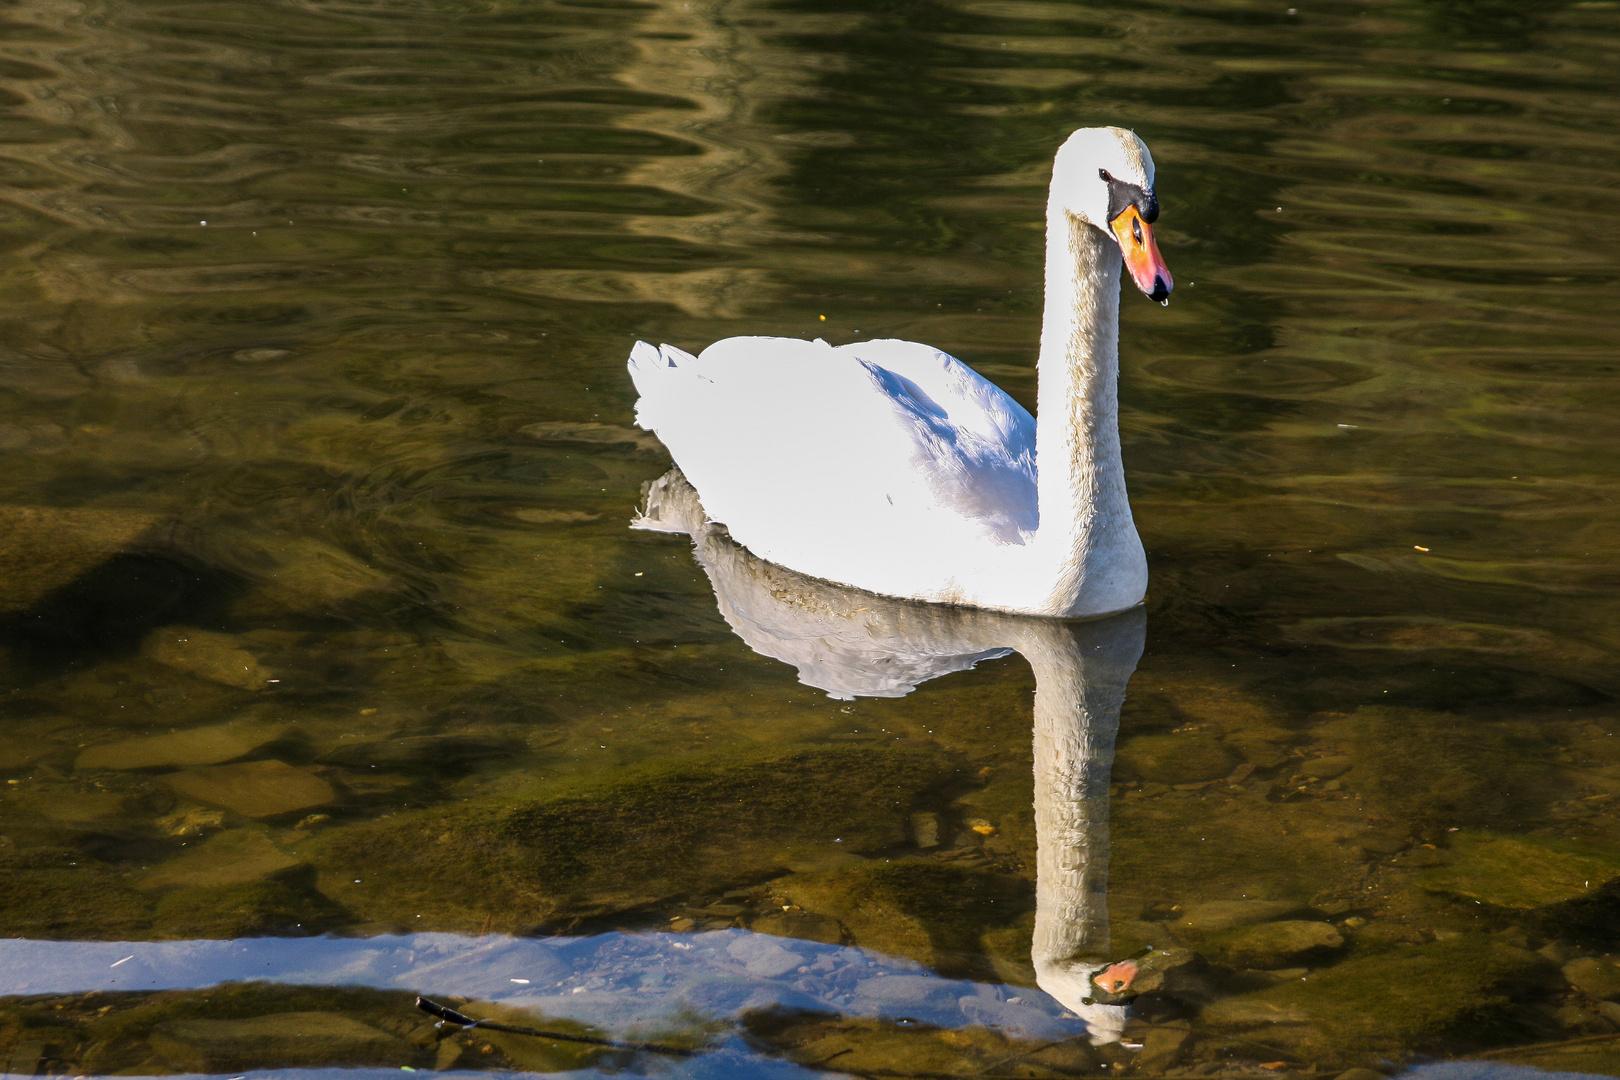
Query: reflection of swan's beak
[1142,256]
[1116,978]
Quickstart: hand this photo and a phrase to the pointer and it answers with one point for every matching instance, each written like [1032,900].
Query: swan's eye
[1136,231]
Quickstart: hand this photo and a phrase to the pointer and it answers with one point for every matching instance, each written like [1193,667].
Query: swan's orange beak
[1142,256]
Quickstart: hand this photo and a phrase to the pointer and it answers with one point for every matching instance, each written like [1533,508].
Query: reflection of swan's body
[893,467]
[851,643]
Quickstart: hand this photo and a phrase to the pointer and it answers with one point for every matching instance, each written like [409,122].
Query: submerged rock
[1163,1047]
[197,746]
[1520,872]
[191,822]
[1599,978]
[48,547]
[802,925]
[1275,944]
[230,858]
[1214,916]
[1326,768]
[255,789]
[82,902]
[1442,770]
[622,841]
[17,753]
[207,655]
[273,906]
[293,1039]
[1404,1000]
[310,576]
[935,913]
[1174,759]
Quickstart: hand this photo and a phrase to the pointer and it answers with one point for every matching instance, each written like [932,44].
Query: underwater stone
[46,548]
[230,858]
[1406,999]
[255,789]
[310,1039]
[192,822]
[16,753]
[207,655]
[935,913]
[1173,973]
[1360,1074]
[1163,1048]
[1380,843]
[66,804]
[802,925]
[1520,872]
[1174,759]
[1326,768]
[616,842]
[1215,916]
[1599,978]
[1275,944]
[310,576]
[198,746]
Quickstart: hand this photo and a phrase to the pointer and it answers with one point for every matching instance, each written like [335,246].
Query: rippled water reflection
[320,612]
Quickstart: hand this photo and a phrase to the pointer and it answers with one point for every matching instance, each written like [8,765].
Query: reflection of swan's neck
[1085,517]
[1080,679]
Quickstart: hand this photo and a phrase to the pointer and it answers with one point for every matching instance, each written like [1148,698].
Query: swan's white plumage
[886,434]
[893,467]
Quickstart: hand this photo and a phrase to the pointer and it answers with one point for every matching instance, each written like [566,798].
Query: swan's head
[1086,988]
[1104,177]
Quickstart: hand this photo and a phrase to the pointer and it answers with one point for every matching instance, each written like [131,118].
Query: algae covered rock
[931,912]
[1406,998]
[207,655]
[196,746]
[802,925]
[255,789]
[311,1039]
[49,892]
[1174,758]
[229,858]
[1520,872]
[47,547]
[273,906]
[1274,944]
[309,576]
[1440,771]
[578,848]
[1599,978]
[1214,916]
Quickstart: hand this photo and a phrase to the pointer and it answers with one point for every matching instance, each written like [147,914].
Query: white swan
[853,644]
[892,467]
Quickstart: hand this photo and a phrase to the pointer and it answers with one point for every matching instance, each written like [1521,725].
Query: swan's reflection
[854,644]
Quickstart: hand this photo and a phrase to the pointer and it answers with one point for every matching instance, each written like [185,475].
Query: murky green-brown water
[320,612]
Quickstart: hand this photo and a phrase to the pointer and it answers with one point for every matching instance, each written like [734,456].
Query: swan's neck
[1075,722]
[1085,518]
[1081,671]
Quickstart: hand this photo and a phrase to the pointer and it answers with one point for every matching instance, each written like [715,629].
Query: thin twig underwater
[448,1015]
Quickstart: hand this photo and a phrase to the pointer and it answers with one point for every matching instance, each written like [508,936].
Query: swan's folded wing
[973,403]
[800,448]
[973,443]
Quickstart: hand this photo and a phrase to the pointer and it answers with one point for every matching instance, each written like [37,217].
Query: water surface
[321,615]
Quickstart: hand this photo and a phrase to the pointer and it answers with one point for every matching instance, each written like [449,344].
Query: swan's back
[819,457]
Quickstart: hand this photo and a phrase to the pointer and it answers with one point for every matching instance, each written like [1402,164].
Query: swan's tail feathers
[653,371]
[670,504]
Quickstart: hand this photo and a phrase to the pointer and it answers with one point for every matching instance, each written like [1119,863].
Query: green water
[318,461]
